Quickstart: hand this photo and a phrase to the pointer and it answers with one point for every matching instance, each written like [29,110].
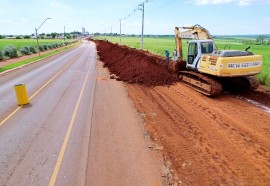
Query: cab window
[192,52]
[207,47]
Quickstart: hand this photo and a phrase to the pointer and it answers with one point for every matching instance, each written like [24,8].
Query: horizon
[220,17]
[137,35]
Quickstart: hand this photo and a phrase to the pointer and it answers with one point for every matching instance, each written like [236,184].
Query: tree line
[70,35]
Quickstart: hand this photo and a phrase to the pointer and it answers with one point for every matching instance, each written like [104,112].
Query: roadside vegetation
[23,62]
[12,48]
[14,65]
[158,45]
[27,42]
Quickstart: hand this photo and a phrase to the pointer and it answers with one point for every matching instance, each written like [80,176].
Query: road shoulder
[119,151]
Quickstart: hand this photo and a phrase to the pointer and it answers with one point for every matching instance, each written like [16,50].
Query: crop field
[26,42]
[158,45]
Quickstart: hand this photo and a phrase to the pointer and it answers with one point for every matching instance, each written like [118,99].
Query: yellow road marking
[64,145]
[10,115]
[57,74]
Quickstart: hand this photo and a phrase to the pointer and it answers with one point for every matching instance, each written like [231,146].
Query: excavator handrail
[228,45]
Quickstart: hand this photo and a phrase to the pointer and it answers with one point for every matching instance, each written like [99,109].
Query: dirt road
[222,141]
[208,141]
[119,151]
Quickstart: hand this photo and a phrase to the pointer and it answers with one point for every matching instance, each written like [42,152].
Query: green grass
[20,63]
[158,45]
[27,42]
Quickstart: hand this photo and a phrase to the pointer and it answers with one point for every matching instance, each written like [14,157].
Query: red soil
[135,66]
[222,141]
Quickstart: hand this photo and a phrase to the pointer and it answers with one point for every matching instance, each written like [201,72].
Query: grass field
[26,42]
[158,46]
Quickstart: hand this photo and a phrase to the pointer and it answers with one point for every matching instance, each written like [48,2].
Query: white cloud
[244,3]
[17,21]
[189,1]
[6,21]
[55,4]
[238,2]
[23,21]
[249,2]
[205,2]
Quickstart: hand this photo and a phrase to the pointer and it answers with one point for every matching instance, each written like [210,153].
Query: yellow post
[21,94]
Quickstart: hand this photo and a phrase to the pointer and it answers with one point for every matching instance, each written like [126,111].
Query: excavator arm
[197,31]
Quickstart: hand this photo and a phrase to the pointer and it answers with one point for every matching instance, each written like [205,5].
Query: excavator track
[201,83]
[254,83]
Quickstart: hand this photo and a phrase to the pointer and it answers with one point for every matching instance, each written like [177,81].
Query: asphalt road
[51,141]
[31,138]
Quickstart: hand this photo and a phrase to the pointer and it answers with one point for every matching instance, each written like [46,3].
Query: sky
[220,17]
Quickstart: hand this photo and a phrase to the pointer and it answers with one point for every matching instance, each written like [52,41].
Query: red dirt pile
[135,66]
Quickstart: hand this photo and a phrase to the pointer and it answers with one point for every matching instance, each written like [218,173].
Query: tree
[261,38]
[68,36]
[53,34]
[26,37]
[76,32]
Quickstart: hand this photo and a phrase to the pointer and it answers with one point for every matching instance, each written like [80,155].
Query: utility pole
[111,33]
[64,33]
[37,41]
[36,29]
[142,9]
[120,31]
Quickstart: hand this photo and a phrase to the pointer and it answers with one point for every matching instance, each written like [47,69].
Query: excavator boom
[196,32]
[191,32]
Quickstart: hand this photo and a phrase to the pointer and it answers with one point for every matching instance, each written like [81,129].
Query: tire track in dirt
[203,139]
[248,141]
[194,134]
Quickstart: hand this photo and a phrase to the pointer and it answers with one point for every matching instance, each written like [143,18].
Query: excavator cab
[196,48]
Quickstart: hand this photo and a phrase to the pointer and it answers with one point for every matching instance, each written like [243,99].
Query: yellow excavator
[209,70]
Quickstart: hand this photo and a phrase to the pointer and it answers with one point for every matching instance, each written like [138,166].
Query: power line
[131,13]
[163,6]
[140,7]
